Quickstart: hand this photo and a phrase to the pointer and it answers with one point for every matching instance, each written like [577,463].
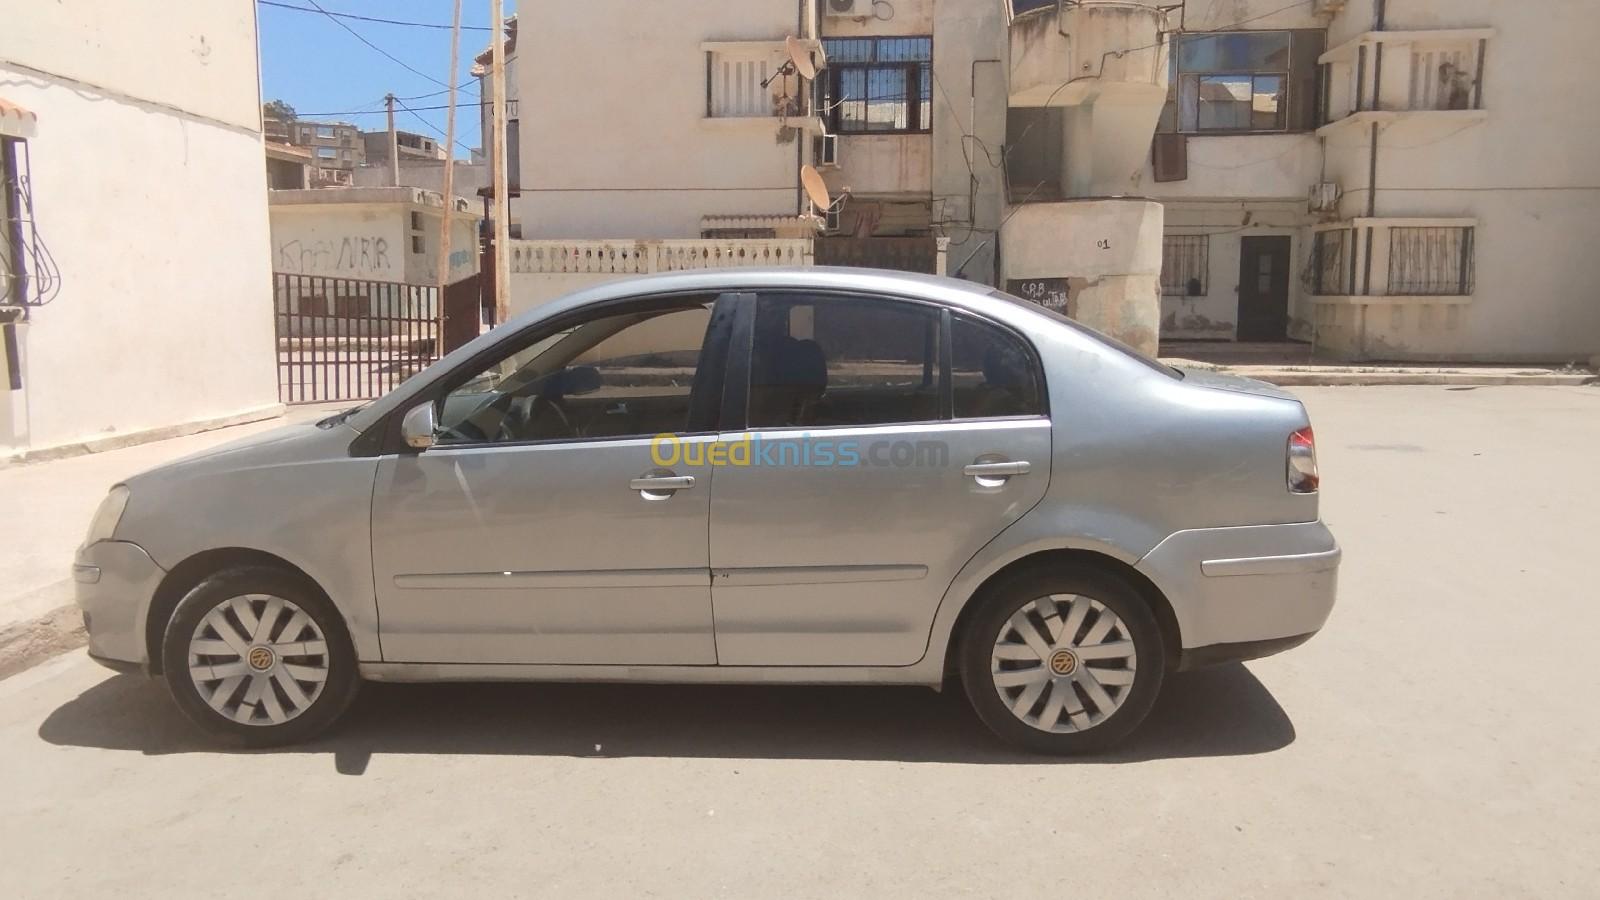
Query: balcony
[1096,74]
[747,84]
[1379,76]
[1083,53]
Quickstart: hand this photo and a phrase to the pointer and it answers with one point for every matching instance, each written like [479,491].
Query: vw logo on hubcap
[260,658]
[1063,662]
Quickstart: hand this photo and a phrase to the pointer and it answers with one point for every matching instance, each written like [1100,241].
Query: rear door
[887,441]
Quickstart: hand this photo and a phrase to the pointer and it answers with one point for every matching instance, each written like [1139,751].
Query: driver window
[623,375]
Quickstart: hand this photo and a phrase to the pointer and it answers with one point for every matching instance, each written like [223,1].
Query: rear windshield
[1096,336]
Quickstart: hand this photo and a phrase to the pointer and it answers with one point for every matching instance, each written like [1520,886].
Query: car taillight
[1303,462]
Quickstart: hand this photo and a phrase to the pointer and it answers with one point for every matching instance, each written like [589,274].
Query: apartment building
[412,146]
[1389,179]
[1400,180]
[699,134]
[336,147]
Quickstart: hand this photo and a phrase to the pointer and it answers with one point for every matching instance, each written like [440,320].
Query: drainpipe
[1381,12]
[800,139]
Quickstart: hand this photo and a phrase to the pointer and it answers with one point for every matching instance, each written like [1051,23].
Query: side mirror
[418,427]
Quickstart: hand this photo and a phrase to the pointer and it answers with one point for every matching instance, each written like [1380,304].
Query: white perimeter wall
[150,192]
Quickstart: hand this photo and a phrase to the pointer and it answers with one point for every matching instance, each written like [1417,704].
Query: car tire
[1055,693]
[259,657]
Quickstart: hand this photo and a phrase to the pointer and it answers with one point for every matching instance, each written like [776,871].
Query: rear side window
[819,362]
[993,373]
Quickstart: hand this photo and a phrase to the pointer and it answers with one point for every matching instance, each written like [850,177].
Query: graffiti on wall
[353,255]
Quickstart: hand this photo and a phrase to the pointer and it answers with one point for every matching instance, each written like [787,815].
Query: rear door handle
[657,484]
[997,469]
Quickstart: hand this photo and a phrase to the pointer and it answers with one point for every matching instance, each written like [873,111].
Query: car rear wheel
[259,657]
[1062,662]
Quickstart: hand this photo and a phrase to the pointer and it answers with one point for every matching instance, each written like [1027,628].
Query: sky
[317,67]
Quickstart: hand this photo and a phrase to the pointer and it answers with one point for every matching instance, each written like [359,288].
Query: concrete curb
[133,438]
[1330,379]
[24,645]
[1299,376]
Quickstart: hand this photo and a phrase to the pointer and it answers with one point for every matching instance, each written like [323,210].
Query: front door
[1264,289]
[886,444]
[539,529]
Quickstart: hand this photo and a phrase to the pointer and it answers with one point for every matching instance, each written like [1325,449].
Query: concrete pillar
[1107,253]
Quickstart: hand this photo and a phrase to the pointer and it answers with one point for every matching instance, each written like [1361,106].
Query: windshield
[1085,330]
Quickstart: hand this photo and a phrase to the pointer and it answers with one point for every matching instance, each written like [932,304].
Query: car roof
[722,280]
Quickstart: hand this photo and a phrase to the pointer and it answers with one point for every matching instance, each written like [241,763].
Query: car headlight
[104,524]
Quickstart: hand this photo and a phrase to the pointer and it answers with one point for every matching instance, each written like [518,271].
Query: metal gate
[349,339]
[905,254]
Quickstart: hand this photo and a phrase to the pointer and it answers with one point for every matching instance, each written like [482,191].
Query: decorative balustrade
[644,257]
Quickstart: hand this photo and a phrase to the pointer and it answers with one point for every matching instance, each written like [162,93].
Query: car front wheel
[259,657]
[1062,662]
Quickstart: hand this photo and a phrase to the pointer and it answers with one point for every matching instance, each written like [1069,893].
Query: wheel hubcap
[1064,663]
[258,659]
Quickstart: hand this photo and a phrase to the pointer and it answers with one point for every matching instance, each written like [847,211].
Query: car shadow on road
[1217,712]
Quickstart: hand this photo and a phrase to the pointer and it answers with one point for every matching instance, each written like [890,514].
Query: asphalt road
[1438,739]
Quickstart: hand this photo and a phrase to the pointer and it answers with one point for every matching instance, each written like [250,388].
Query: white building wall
[1523,169]
[616,142]
[149,190]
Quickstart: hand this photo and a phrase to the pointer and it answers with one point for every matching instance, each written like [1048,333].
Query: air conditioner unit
[825,151]
[1327,7]
[847,8]
[1325,197]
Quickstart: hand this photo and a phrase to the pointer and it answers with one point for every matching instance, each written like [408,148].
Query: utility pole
[394,145]
[502,187]
[445,220]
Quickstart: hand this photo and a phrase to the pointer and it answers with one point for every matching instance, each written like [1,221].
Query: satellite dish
[800,58]
[816,188]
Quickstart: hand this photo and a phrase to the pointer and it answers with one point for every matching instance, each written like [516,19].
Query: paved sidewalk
[1292,364]
[54,501]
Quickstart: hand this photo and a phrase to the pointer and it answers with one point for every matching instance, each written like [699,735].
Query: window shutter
[1171,153]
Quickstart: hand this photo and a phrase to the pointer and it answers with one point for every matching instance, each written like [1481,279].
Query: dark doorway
[1264,289]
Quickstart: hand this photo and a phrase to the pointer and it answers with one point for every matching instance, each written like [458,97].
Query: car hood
[301,442]
[1218,381]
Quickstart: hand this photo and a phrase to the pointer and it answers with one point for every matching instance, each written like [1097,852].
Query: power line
[369,18]
[391,57]
[429,125]
[379,112]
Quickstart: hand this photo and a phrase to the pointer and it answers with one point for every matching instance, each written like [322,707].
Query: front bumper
[116,581]
[1247,592]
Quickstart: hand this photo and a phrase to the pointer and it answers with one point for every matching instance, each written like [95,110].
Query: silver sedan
[803,475]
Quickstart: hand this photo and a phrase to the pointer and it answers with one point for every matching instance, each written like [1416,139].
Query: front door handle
[661,484]
[997,469]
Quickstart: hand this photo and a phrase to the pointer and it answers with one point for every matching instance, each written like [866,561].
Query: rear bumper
[1248,592]
[115,583]
[1217,654]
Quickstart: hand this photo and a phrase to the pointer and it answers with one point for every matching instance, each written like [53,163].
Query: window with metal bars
[1185,265]
[1330,263]
[1436,262]
[879,85]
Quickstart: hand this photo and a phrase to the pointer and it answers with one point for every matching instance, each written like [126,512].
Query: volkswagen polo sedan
[801,475]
